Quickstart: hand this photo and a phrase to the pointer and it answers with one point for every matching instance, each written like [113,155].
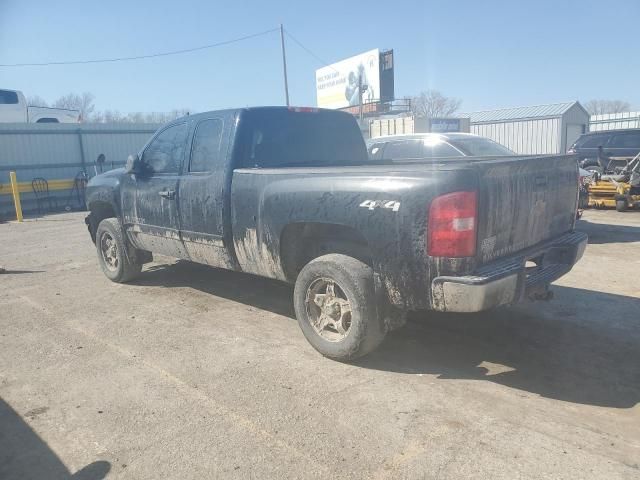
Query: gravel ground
[192,372]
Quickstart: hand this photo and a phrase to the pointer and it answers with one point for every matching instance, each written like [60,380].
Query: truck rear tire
[112,252]
[621,205]
[335,304]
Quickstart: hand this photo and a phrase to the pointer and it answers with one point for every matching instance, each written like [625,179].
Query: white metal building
[57,152]
[614,121]
[539,129]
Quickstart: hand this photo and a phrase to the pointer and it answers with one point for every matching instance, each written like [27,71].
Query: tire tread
[359,278]
[129,270]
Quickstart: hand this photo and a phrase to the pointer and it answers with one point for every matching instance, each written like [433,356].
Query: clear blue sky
[488,53]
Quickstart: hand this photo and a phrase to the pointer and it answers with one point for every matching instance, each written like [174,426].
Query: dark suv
[617,145]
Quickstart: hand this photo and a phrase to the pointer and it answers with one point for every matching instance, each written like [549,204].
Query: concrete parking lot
[191,372]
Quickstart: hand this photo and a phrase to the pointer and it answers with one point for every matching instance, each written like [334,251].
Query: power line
[323,62]
[140,57]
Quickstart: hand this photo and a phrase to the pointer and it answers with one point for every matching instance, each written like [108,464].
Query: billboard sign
[386,76]
[337,84]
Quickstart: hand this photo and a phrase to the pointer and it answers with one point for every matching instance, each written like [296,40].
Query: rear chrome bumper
[509,280]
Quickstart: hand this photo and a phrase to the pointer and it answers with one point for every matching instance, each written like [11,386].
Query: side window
[441,149]
[375,151]
[164,153]
[592,141]
[625,140]
[403,149]
[205,151]
[8,97]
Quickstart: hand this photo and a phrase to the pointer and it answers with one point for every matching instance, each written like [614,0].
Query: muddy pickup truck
[290,194]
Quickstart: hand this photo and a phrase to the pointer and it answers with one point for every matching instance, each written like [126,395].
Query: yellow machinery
[620,189]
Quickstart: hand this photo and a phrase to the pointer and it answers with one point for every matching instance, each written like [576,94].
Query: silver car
[433,145]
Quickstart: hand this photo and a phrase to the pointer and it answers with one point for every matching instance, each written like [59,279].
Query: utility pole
[360,91]
[284,65]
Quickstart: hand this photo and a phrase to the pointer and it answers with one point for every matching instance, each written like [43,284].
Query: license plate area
[547,266]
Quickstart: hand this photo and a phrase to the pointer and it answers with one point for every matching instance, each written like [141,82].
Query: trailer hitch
[543,294]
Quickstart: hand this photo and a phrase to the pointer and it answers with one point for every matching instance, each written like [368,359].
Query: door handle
[169,194]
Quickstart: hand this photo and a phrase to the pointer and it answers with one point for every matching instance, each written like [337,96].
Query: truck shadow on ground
[18,272]
[582,347]
[24,455]
[608,233]
[258,292]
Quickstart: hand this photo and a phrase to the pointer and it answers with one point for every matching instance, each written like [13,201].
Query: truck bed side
[281,218]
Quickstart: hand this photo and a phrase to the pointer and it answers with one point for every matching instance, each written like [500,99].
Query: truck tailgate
[524,201]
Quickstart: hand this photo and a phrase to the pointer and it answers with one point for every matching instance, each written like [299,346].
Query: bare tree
[84,104]
[36,101]
[108,116]
[598,107]
[113,116]
[73,101]
[432,103]
[163,117]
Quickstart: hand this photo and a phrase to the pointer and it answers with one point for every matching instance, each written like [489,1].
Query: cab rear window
[288,138]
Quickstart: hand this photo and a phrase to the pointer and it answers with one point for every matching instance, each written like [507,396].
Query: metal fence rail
[614,121]
[58,152]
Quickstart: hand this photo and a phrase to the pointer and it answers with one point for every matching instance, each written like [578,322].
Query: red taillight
[452,225]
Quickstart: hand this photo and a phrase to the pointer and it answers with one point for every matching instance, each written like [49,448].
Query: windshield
[480,147]
[281,138]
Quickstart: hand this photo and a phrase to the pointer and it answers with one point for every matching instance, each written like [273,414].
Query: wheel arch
[99,210]
[301,242]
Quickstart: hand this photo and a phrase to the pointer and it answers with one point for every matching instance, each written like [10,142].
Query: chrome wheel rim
[328,309]
[109,251]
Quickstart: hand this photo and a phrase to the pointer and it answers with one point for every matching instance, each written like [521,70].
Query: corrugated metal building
[380,127]
[539,129]
[614,121]
[58,152]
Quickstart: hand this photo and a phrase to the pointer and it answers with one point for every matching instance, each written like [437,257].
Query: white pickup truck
[14,109]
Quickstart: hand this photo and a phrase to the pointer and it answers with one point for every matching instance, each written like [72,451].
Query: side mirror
[134,164]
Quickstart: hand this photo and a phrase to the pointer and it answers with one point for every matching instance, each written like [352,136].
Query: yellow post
[16,195]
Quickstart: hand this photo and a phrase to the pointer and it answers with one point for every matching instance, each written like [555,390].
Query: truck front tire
[112,252]
[621,205]
[335,304]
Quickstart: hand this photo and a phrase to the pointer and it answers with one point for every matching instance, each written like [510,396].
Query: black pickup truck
[290,194]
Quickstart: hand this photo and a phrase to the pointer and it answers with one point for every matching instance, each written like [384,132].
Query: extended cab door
[152,218]
[204,191]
